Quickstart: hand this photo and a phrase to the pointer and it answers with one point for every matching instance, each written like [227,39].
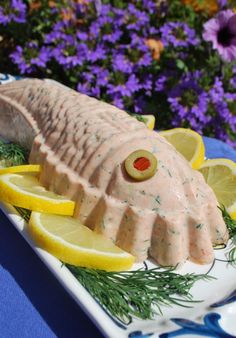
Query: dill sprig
[139,118]
[134,293]
[229,221]
[24,213]
[139,293]
[232,255]
[231,226]
[11,154]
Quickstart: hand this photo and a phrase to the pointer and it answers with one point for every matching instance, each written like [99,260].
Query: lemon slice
[187,142]
[220,174]
[21,168]
[70,241]
[24,190]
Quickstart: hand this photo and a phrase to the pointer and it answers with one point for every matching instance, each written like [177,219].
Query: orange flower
[35,5]
[156,46]
[209,6]
[82,2]
[52,4]
[67,14]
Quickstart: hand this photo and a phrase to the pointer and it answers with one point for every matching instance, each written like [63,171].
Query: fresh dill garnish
[138,293]
[232,255]
[158,199]
[24,213]
[199,226]
[229,221]
[231,226]
[11,154]
[139,118]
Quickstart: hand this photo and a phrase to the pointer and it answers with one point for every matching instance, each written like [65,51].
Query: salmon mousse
[128,182]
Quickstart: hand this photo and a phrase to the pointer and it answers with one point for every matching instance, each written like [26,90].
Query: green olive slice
[141,165]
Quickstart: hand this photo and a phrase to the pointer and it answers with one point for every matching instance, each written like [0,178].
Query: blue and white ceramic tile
[6,78]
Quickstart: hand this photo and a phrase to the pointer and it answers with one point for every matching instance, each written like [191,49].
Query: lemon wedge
[24,190]
[70,241]
[21,168]
[148,120]
[220,174]
[187,142]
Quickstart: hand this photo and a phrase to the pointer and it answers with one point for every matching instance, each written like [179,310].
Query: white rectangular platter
[201,318]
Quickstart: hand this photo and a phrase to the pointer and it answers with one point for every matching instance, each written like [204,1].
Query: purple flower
[118,101]
[18,58]
[136,18]
[145,59]
[121,63]
[99,53]
[222,3]
[147,84]
[140,104]
[232,81]
[59,34]
[178,34]
[220,100]
[16,11]
[126,89]
[83,36]
[70,55]
[160,83]
[84,88]
[102,76]
[217,91]
[30,56]
[221,31]
[113,37]
[190,103]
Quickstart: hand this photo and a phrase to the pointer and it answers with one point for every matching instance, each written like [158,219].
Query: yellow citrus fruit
[220,174]
[149,120]
[187,142]
[70,241]
[24,190]
[21,168]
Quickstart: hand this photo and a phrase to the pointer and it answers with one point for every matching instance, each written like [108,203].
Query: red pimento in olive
[141,165]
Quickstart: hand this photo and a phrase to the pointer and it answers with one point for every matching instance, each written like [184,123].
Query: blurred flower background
[175,59]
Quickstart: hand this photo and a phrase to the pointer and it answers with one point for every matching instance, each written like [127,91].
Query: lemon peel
[70,241]
[187,142]
[220,175]
[149,121]
[24,190]
[21,168]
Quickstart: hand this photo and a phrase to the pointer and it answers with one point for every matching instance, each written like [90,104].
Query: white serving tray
[203,317]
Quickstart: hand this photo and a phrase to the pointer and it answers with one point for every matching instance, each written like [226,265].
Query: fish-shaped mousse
[82,144]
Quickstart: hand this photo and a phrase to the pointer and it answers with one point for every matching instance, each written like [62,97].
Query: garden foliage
[144,56]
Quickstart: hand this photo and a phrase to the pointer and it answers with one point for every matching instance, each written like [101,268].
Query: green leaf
[180,64]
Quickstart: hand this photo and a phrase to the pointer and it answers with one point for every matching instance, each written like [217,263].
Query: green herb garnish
[11,154]
[140,118]
[139,293]
[231,226]
[229,221]
[232,255]
[24,213]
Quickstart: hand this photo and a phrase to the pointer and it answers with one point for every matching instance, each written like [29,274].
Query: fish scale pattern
[82,144]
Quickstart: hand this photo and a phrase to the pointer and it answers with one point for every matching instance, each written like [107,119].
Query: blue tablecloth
[32,302]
